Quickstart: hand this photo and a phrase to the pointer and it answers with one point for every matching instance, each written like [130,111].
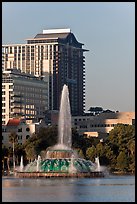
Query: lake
[108,189]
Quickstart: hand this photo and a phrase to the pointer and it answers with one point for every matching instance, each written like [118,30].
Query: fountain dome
[62,161]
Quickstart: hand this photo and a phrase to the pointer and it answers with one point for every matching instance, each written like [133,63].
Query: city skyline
[109,36]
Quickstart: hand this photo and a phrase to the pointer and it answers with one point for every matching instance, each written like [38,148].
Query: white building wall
[103,123]
[33,97]
[23,131]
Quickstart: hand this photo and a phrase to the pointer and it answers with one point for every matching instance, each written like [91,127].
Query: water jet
[61,160]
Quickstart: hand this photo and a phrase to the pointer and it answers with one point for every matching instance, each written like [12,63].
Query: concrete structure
[57,55]
[23,130]
[101,124]
[95,125]
[23,96]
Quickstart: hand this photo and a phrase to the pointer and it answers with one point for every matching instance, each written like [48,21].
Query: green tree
[40,141]
[121,139]
[91,153]
[122,161]
[19,151]
[13,138]
[100,149]
[5,156]
[31,152]
[79,152]
[131,146]
[131,154]
[30,147]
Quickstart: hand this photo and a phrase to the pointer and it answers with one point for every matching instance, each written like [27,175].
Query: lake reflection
[109,189]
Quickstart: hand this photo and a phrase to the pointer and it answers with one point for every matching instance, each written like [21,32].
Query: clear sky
[107,30]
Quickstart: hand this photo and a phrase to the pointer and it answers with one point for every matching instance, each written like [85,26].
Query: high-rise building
[57,55]
[23,96]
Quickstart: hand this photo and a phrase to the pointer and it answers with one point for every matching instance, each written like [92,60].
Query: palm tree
[13,138]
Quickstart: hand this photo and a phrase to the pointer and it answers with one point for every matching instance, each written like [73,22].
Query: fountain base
[61,163]
[58,174]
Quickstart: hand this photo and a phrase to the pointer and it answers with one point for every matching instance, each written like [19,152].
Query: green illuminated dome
[61,161]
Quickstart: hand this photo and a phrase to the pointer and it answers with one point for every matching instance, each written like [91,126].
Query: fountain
[21,164]
[61,160]
[97,163]
[38,163]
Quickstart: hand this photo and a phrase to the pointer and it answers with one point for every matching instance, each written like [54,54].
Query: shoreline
[121,173]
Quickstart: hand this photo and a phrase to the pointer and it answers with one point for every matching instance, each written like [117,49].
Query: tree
[19,151]
[30,147]
[40,141]
[5,155]
[131,146]
[131,154]
[13,138]
[122,139]
[95,110]
[79,152]
[31,152]
[91,153]
[122,162]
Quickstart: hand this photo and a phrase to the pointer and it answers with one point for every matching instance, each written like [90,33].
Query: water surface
[108,189]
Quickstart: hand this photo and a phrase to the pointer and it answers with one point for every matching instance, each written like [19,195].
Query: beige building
[23,95]
[23,130]
[101,124]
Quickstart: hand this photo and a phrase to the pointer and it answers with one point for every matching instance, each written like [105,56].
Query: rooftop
[14,122]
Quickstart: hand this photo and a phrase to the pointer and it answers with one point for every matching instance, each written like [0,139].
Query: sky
[107,30]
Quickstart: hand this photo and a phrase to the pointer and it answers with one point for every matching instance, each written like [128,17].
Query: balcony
[17,102]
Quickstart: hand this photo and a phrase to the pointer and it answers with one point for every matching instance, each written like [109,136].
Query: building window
[3,110]
[10,86]
[20,137]
[28,129]
[27,136]
[20,130]
[10,50]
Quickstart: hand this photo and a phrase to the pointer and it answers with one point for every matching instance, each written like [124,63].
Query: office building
[100,125]
[57,55]
[23,96]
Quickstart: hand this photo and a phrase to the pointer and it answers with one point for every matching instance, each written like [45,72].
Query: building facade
[100,125]
[22,129]
[58,57]
[23,96]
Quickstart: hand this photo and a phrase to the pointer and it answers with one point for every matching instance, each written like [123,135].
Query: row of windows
[98,125]
[27,129]
[10,86]
[19,130]
[80,119]
[19,137]
[102,125]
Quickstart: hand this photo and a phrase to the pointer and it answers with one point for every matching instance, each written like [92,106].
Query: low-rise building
[21,128]
[102,123]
